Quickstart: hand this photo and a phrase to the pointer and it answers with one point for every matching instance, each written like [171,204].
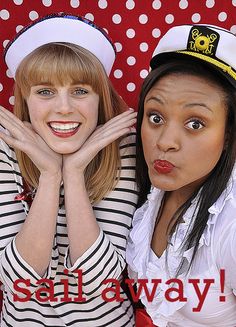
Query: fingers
[118,125]
[9,118]
[112,130]
[14,125]
[125,116]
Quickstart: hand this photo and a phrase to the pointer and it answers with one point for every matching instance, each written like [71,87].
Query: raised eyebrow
[198,104]
[155,99]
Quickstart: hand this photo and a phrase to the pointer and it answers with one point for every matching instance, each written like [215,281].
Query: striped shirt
[87,278]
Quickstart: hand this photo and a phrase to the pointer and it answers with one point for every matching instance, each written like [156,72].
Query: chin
[163,183]
[65,149]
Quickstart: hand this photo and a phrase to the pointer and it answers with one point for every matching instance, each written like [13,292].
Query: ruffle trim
[139,251]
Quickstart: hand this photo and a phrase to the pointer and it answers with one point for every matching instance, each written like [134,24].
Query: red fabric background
[148,19]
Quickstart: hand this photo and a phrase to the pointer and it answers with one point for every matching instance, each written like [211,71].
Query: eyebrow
[188,105]
[198,104]
[155,99]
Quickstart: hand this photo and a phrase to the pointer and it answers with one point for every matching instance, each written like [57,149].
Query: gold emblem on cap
[202,43]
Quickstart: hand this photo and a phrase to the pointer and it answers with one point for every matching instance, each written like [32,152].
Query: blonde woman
[65,148]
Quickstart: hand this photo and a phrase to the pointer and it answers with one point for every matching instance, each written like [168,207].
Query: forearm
[82,226]
[34,242]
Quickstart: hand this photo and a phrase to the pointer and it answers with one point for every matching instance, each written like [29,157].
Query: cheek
[148,138]
[205,154]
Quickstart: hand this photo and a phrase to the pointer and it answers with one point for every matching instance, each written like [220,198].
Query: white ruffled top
[216,250]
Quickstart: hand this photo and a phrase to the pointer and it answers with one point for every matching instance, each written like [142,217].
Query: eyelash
[192,120]
[196,120]
[153,115]
[44,92]
[83,91]
[78,91]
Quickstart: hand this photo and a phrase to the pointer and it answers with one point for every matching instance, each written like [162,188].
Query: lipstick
[163,166]
[64,129]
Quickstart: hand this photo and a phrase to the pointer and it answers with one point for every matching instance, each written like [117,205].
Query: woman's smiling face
[64,116]
[183,130]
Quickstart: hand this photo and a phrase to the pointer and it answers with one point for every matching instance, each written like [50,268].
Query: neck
[180,196]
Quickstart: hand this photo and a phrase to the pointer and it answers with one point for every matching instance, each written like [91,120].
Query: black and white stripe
[104,259]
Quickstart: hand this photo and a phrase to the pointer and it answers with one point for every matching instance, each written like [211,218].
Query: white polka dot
[143,19]
[131,60]
[130,33]
[234,3]
[196,18]
[5,42]
[143,46]
[105,29]
[130,4]
[89,16]
[18,2]
[156,4]
[9,74]
[74,3]
[156,32]
[233,29]
[116,19]
[183,4]
[102,4]
[18,28]
[143,73]
[210,3]
[1,87]
[4,14]
[131,87]
[118,46]
[169,19]
[12,100]
[47,3]
[222,16]
[118,73]
[33,15]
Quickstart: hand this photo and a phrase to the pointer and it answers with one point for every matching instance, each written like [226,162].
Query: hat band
[215,62]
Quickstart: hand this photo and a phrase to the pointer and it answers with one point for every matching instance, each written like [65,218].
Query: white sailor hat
[60,27]
[211,44]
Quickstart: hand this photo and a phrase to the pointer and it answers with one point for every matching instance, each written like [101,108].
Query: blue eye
[195,124]
[45,92]
[155,118]
[81,91]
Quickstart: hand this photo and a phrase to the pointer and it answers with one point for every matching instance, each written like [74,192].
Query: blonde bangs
[60,64]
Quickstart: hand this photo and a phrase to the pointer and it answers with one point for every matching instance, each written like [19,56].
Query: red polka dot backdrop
[134,26]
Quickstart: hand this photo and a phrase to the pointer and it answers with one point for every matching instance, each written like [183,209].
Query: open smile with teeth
[64,127]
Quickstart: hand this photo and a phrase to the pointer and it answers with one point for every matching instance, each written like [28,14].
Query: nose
[169,138]
[63,104]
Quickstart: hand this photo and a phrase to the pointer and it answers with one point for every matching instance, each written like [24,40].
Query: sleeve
[226,254]
[105,259]
[13,268]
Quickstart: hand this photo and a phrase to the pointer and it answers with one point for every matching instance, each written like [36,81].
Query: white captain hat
[210,44]
[60,27]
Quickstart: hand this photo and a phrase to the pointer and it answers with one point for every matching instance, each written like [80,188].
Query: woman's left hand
[100,138]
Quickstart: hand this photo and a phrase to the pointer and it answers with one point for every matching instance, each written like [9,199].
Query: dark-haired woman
[183,240]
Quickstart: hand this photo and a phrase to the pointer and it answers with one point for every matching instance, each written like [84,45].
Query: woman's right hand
[24,138]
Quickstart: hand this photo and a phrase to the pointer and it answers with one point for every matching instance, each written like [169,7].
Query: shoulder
[223,215]
[128,152]
[128,142]
[7,153]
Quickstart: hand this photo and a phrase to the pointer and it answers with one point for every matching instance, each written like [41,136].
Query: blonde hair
[59,64]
